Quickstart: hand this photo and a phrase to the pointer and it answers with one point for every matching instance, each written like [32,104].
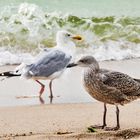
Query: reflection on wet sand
[41,100]
[67,89]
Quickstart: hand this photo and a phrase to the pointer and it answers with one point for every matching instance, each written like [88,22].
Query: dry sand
[65,118]
[66,121]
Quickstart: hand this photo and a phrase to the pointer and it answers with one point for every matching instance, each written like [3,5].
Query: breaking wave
[25,27]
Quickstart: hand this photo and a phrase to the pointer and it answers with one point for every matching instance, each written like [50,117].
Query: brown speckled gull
[109,87]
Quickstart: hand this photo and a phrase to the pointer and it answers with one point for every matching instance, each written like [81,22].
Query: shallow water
[67,89]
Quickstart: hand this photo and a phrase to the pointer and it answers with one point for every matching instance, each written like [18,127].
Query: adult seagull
[50,64]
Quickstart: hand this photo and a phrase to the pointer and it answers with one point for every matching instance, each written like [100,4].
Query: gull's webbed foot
[111,128]
[97,126]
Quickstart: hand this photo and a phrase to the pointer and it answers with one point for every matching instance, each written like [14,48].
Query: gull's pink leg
[42,88]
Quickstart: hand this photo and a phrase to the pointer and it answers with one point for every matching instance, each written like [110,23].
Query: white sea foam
[112,50]
[8,58]
[28,25]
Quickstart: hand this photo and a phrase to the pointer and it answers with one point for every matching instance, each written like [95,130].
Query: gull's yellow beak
[77,37]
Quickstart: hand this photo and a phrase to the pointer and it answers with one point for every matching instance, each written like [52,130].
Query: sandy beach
[49,32]
[71,112]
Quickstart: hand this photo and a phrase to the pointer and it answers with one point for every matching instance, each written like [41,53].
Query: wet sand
[72,111]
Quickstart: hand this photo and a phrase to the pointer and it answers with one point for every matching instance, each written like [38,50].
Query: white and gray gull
[50,64]
[109,87]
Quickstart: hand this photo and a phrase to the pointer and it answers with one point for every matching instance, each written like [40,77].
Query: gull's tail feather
[8,74]
[138,80]
[17,72]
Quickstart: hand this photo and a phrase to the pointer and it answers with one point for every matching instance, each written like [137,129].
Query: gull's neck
[94,68]
[64,43]
[67,47]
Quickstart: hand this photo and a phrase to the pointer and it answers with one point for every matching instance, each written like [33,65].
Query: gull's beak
[71,65]
[77,37]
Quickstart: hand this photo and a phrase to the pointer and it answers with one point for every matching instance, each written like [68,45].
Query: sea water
[111,29]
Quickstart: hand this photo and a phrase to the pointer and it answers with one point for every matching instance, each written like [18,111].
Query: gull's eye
[82,61]
[68,34]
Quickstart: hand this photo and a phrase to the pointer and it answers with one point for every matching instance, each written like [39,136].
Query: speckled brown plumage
[109,87]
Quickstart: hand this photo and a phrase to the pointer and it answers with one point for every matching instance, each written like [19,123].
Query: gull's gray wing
[49,63]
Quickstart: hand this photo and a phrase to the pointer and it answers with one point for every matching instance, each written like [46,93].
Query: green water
[110,28]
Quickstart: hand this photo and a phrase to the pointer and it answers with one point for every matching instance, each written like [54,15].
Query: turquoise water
[85,7]
[111,29]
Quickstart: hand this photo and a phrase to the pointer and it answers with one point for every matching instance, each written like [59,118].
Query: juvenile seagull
[50,64]
[109,87]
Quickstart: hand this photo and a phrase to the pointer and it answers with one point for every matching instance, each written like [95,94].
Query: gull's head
[65,38]
[86,61]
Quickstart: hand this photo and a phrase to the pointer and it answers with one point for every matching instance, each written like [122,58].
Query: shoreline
[70,114]
[67,89]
